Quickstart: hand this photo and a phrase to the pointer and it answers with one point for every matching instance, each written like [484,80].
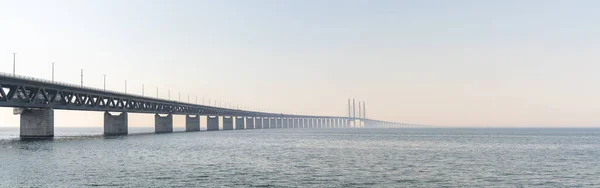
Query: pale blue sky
[455,63]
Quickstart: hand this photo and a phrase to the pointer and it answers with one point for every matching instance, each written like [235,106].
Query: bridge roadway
[35,100]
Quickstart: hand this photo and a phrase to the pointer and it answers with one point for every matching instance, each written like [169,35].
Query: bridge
[35,99]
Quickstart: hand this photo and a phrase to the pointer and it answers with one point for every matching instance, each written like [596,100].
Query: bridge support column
[115,125]
[239,123]
[279,123]
[212,123]
[163,124]
[302,123]
[228,123]
[249,122]
[192,123]
[37,123]
[296,122]
[272,124]
[286,122]
[258,124]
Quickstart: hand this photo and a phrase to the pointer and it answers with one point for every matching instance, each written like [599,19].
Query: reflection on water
[305,158]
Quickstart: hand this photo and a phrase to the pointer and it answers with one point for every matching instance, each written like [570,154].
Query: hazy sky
[451,63]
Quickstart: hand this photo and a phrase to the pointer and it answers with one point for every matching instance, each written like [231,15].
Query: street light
[14,63]
[104,82]
[52,72]
[81,77]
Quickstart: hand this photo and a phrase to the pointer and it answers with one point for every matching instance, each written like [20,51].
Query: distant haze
[448,63]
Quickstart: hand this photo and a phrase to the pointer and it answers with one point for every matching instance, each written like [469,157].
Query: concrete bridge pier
[258,124]
[249,122]
[192,123]
[163,124]
[212,123]
[37,123]
[296,122]
[239,123]
[115,125]
[302,123]
[279,123]
[227,123]
[272,124]
[286,123]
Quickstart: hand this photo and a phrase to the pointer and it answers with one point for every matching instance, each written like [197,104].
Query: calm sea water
[305,158]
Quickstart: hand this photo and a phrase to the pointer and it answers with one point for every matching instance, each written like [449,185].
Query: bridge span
[35,99]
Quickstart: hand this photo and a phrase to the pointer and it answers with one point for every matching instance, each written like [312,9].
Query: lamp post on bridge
[142,89]
[52,72]
[81,77]
[14,63]
[125,86]
[104,82]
